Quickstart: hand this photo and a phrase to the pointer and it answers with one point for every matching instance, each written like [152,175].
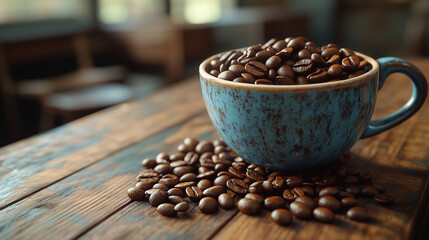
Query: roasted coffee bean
[207,162]
[345,52]
[184,185]
[166,209]
[248,206]
[263,55]
[226,75]
[256,187]
[350,63]
[355,74]
[158,197]
[203,170]
[317,76]
[349,202]
[267,187]
[180,171]
[256,68]
[188,177]
[186,148]
[263,81]
[273,62]
[279,45]
[147,178]
[237,69]
[323,214]
[215,63]
[331,191]
[307,201]
[175,192]
[285,53]
[150,191]
[343,194]
[214,73]
[296,43]
[160,186]
[304,53]
[221,180]
[237,185]
[191,158]
[335,70]
[383,198]
[143,186]
[163,155]
[149,163]
[256,174]
[309,191]
[208,205]
[181,207]
[204,184]
[214,191]
[318,60]
[282,80]
[178,163]
[163,168]
[206,155]
[290,195]
[237,173]
[303,66]
[294,181]
[194,193]
[369,191]
[248,77]
[274,202]
[259,198]
[175,199]
[350,179]
[301,80]
[226,201]
[286,71]
[363,64]
[169,180]
[204,146]
[240,80]
[312,49]
[329,202]
[219,167]
[177,156]
[281,216]
[136,194]
[358,214]
[225,56]
[206,175]
[269,43]
[300,210]
[352,189]
[379,187]
[332,45]
[329,52]
[190,141]
[278,183]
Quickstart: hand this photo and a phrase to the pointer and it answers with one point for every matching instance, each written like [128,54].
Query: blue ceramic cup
[298,127]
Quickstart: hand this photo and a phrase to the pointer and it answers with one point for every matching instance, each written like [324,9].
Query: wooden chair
[68,95]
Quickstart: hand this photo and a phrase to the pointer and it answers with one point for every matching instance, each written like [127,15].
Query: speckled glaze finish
[295,127]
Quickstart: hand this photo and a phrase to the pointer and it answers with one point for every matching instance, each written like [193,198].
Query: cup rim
[305,87]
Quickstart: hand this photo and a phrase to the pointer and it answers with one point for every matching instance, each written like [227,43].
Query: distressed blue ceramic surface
[291,127]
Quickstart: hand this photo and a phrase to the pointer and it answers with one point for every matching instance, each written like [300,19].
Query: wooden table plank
[79,202]
[59,153]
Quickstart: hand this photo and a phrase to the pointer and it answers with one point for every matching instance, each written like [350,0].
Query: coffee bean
[248,206]
[181,207]
[281,216]
[323,214]
[175,192]
[267,187]
[175,199]
[369,191]
[221,180]
[352,189]
[149,163]
[357,214]
[257,197]
[329,52]
[204,146]
[150,192]
[143,186]
[279,45]
[263,55]
[307,201]
[345,52]
[269,43]
[208,205]
[214,73]
[343,194]
[329,202]
[350,179]
[383,198]
[303,66]
[256,68]
[169,180]
[317,76]
[294,181]
[318,60]
[309,191]
[363,64]
[301,80]
[350,63]
[188,177]
[180,171]
[207,162]
[215,63]
[256,47]
[274,202]
[277,183]
[136,194]
[191,158]
[225,56]
[237,173]
[148,176]
[237,69]
[282,80]
[177,156]
[184,185]
[194,193]
[273,62]
[285,53]
[256,174]
[304,53]
[204,184]
[214,191]
[300,210]
[286,71]
[206,175]
[263,81]
[256,187]
[178,163]
[160,186]
[163,168]
[226,201]
[166,209]
[296,43]
[331,191]
[355,74]
[349,202]
[158,197]
[248,77]
[237,185]
[164,156]
[379,187]
[335,70]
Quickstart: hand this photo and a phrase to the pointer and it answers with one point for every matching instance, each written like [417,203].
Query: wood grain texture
[33,164]
[75,204]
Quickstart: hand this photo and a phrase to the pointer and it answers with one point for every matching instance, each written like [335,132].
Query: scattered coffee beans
[211,174]
[287,62]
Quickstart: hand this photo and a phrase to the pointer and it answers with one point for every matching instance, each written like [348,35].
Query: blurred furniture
[68,95]
[72,183]
[417,27]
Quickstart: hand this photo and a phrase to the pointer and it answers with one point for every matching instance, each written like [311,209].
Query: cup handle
[389,65]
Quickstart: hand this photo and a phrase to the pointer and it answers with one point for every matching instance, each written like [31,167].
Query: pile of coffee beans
[211,174]
[294,60]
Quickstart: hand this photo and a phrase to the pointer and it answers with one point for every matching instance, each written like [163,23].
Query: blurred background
[61,60]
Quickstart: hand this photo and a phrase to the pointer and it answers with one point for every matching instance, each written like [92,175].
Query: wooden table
[71,182]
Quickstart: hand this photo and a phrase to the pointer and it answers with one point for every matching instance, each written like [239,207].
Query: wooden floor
[71,182]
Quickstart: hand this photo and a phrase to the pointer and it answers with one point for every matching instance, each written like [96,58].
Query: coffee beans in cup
[290,61]
[209,175]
